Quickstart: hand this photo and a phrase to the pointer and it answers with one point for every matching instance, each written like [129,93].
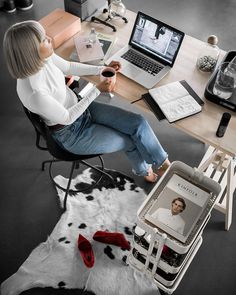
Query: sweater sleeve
[75,68]
[56,112]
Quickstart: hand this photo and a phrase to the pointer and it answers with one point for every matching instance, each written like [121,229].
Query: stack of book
[97,53]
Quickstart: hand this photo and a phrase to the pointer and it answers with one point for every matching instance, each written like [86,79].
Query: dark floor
[28,205]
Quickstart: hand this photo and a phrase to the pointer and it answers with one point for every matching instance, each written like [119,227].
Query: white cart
[159,255]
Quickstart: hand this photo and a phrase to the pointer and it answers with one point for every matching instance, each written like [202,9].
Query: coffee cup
[109,74]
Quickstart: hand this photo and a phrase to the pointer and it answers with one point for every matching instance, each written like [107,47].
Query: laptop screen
[156,39]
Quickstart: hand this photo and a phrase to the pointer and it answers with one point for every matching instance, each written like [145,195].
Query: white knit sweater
[46,93]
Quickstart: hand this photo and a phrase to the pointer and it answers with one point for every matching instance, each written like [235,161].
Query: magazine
[178,207]
[106,42]
[87,52]
[175,101]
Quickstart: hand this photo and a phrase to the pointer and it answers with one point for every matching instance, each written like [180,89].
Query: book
[106,41]
[177,100]
[178,207]
[87,52]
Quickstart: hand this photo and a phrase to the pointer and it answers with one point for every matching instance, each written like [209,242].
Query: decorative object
[116,9]
[57,262]
[209,55]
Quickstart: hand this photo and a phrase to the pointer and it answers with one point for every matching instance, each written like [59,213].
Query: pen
[136,100]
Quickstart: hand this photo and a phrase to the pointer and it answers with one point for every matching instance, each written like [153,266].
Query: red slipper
[116,239]
[165,250]
[86,251]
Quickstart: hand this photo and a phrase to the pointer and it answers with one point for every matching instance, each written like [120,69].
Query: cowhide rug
[57,262]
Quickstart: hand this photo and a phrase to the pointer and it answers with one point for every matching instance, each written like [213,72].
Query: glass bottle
[231,70]
[92,36]
[209,55]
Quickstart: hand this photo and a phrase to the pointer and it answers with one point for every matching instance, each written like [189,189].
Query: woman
[85,126]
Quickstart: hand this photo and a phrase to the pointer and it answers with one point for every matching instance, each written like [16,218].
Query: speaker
[83,8]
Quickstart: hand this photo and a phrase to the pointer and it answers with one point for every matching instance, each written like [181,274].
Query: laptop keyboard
[142,62]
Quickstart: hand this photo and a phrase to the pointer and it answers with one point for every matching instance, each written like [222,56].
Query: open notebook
[176,100]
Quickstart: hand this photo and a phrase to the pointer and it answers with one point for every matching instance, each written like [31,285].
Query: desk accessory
[230,103]
[116,9]
[224,122]
[209,55]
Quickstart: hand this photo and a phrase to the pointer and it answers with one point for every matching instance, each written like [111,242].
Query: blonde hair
[21,48]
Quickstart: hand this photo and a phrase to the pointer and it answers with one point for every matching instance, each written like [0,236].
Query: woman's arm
[51,110]
[75,68]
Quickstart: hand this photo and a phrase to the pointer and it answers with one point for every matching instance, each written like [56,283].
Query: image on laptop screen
[156,39]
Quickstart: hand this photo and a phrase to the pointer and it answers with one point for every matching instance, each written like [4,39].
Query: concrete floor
[28,202]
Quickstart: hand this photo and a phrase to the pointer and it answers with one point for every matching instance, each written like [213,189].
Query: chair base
[75,165]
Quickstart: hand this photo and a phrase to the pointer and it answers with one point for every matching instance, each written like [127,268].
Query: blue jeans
[104,128]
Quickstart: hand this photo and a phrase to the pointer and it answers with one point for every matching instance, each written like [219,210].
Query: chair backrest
[42,131]
[39,127]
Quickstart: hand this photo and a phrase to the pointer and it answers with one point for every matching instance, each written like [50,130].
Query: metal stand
[106,21]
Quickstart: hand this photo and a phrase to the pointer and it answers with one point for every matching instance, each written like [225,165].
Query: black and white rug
[57,262]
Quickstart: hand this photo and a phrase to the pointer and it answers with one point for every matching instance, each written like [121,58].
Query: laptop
[151,52]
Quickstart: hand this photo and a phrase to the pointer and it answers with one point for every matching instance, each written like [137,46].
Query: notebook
[151,52]
[177,100]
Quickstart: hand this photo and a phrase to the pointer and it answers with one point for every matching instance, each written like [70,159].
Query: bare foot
[151,177]
[163,167]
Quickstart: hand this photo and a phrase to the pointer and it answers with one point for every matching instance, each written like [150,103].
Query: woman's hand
[106,86]
[116,65]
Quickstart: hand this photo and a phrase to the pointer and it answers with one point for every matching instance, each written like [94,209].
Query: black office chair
[60,154]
